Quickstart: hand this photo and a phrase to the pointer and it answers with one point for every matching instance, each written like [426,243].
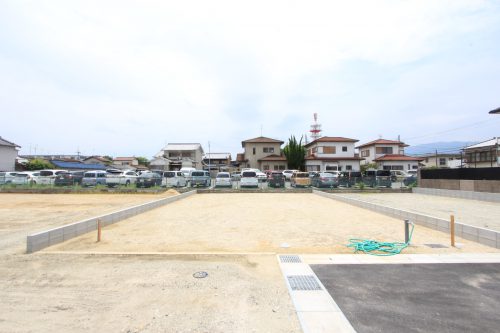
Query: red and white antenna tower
[315,129]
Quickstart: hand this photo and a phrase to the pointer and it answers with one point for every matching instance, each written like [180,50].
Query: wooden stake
[98,230]
[452,229]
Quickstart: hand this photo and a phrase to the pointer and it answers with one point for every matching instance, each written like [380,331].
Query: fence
[461,174]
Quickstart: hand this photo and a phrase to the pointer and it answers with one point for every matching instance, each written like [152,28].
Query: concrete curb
[482,196]
[476,234]
[57,235]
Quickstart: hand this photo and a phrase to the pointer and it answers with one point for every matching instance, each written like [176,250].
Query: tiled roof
[261,139]
[124,159]
[332,159]
[331,139]
[383,142]
[4,142]
[78,165]
[273,158]
[395,157]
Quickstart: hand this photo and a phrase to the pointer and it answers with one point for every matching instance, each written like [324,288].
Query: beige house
[378,148]
[332,153]
[483,155]
[96,160]
[8,155]
[179,155]
[262,153]
[126,161]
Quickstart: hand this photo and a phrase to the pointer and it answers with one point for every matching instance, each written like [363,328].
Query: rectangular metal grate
[303,282]
[437,246]
[290,259]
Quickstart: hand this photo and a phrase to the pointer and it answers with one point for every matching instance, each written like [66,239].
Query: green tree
[295,153]
[143,161]
[39,164]
[365,167]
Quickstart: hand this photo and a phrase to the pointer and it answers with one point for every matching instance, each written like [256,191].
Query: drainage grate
[437,246]
[290,259]
[303,282]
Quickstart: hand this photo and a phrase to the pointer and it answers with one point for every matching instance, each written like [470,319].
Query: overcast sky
[124,78]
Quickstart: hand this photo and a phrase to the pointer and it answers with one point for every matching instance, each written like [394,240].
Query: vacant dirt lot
[256,223]
[24,214]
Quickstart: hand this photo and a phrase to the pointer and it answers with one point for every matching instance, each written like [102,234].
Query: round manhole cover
[200,275]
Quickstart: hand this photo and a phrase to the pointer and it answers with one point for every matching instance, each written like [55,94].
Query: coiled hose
[381,249]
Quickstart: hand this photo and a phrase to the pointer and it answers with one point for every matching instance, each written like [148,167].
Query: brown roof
[99,158]
[395,157]
[273,158]
[332,159]
[331,139]
[383,142]
[261,139]
[124,158]
[240,158]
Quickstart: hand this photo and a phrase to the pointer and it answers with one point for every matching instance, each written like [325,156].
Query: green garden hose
[375,248]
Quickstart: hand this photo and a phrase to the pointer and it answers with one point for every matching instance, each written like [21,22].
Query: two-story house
[388,155]
[262,153]
[442,160]
[125,162]
[332,153]
[8,155]
[484,154]
[216,161]
[175,156]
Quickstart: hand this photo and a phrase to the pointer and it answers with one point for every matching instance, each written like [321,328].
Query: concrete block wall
[57,235]
[483,196]
[476,234]
[490,186]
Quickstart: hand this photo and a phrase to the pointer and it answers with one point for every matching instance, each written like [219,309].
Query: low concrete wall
[483,196]
[57,235]
[476,234]
[490,186]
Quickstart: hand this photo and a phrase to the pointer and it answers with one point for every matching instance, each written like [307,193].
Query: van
[249,179]
[173,179]
[93,178]
[200,178]
[47,177]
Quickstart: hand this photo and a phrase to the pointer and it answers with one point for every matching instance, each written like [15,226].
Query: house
[388,155]
[125,161]
[262,153]
[332,153]
[484,154]
[175,156]
[216,161]
[8,155]
[440,160]
[96,160]
[73,165]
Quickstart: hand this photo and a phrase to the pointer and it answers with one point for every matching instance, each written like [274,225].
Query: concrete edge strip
[470,195]
[316,310]
[41,240]
[401,259]
[476,234]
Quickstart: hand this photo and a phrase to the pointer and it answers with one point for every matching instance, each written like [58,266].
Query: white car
[249,179]
[288,173]
[173,179]
[7,177]
[223,179]
[47,177]
[26,178]
[335,173]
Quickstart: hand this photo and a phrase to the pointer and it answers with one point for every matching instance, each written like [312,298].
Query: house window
[276,168]
[384,150]
[365,153]
[329,150]
[266,167]
[344,148]
[442,161]
[186,154]
[269,150]
[331,168]
[348,167]
[253,150]
[282,167]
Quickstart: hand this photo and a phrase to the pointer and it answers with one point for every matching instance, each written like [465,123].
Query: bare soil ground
[24,214]
[256,223]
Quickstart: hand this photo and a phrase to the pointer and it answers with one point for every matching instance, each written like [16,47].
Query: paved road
[416,297]
[473,212]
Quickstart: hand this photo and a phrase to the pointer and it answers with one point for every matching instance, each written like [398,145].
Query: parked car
[6,177]
[26,178]
[261,176]
[200,178]
[173,178]
[48,177]
[126,178]
[300,179]
[236,176]
[276,179]
[335,173]
[324,179]
[249,179]
[288,173]
[377,178]
[413,172]
[223,179]
[398,175]
[312,174]
[349,178]
[69,178]
[94,178]
[148,179]
[187,173]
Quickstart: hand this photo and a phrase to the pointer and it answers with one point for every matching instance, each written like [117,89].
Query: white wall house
[484,154]
[388,155]
[8,155]
[332,153]
[179,155]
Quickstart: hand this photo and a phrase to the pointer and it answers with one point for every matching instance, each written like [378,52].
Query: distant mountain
[452,147]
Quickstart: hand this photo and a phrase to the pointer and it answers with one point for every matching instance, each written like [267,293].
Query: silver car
[223,179]
[7,177]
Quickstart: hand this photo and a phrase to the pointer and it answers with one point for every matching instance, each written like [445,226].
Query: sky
[124,78]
